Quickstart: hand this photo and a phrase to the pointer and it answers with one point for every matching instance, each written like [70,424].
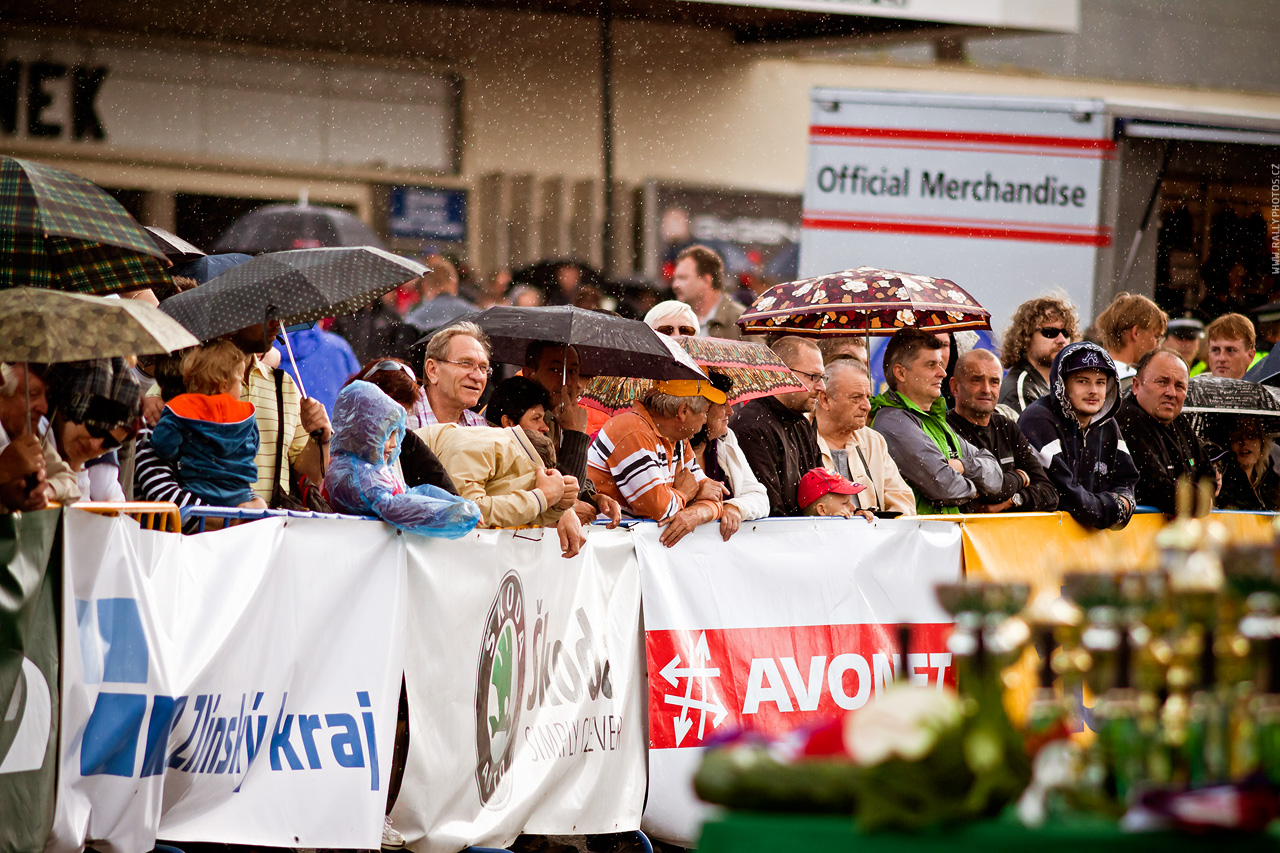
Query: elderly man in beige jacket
[850,447]
[508,472]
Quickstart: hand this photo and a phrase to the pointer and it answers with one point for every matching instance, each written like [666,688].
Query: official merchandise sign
[750,634]
[239,686]
[531,718]
[977,190]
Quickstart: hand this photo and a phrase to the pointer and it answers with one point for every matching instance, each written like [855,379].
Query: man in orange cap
[642,459]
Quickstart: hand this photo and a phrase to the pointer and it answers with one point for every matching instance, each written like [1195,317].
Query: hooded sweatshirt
[362,481]
[213,438]
[1090,466]
[921,443]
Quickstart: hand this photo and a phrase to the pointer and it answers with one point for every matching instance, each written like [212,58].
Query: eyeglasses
[1050,332]
[109,441]
[814,378]
[389,365]
[672,331]
[470,367]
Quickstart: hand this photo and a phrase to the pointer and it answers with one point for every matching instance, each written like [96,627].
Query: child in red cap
[824,492]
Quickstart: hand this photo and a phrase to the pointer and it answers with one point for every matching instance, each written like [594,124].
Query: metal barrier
[159,515]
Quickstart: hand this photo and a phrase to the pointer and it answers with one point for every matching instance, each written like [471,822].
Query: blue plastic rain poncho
[360,481]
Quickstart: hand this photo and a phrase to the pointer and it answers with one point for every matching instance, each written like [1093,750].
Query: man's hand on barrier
[611,508]
[255,503]
[551,483]
[571,536]
[730,521]
[38,498]
[570,496]
[682,523]
[152,409]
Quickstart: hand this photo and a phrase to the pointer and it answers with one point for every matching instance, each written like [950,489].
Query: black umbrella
[606,345]
[293,287]
[281,227]
[438,312]
[1216,402]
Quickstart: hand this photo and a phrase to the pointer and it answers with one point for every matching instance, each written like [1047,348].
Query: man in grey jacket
[942,468]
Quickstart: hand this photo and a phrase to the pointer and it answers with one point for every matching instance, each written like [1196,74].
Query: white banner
[238,686]
[790,622]
[525,693]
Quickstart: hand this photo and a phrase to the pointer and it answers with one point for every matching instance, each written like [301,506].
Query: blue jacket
[214,441]
[325,361]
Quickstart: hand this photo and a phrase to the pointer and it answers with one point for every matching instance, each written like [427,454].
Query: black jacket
[1238,493]
[419,465]
[1010,448]
[1022,386]
[1089,466]
[781,447]
[1162,453]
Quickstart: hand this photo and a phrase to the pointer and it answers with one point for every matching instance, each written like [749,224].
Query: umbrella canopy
[754,369]
[293,287]
[60,231]
[1216,402]
[49,326]
[864,301]
[176,249]
[281,227]
[607,345]
[439,312]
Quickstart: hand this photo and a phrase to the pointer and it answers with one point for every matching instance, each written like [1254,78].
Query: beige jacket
[495,467]
[885,487]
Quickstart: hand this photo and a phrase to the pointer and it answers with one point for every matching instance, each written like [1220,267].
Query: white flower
[906,318]
[955,315]
[802,289]
[855,286]
[957,296]
[766,303]
[902,293]
[819,296]
[912,284]
[904,722]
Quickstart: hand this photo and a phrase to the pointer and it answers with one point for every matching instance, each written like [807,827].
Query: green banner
[30,578]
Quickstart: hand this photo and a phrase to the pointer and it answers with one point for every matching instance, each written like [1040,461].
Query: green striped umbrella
[60,231]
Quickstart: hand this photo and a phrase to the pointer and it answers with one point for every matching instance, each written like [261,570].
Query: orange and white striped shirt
[633,463]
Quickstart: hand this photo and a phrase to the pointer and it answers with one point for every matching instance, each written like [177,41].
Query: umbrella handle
[297,377]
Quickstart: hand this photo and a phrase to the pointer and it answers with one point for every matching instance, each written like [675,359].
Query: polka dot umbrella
[863,301]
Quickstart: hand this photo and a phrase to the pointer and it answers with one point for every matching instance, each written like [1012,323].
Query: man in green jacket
[942,468]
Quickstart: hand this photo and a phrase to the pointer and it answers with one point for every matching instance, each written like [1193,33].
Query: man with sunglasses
[1040,328]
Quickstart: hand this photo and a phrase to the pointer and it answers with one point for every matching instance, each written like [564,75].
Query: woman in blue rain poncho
[367,429]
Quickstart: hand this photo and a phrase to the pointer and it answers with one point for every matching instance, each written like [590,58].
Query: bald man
[1159,436]
[976,388]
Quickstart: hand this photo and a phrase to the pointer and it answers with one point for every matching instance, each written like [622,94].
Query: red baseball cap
[820,481]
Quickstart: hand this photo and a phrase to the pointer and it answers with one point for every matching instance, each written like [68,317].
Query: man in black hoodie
[1158,435]
[1074,431]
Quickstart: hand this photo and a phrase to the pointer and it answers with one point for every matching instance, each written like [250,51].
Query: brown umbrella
[864,301]
[754,369]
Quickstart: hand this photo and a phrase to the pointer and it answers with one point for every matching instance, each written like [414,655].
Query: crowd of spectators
[433,443]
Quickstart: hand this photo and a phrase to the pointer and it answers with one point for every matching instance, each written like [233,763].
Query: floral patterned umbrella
[754,369]
[864,301]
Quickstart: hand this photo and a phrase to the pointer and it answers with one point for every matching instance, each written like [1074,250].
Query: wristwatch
[1016,500]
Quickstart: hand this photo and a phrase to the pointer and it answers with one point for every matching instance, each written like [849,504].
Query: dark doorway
[131,200]
[201,219]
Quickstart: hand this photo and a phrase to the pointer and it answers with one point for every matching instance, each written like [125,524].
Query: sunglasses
[389,365]
[672,331]
[109,441]
[1050,332]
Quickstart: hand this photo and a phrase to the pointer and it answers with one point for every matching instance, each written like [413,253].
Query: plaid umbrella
[101,393]
[299,286]
[50,326]
[754,369]
[864,301]
[60,231]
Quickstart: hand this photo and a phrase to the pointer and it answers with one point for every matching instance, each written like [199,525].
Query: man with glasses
[943,470]
[1040,328]
[776,436]
[455,372]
